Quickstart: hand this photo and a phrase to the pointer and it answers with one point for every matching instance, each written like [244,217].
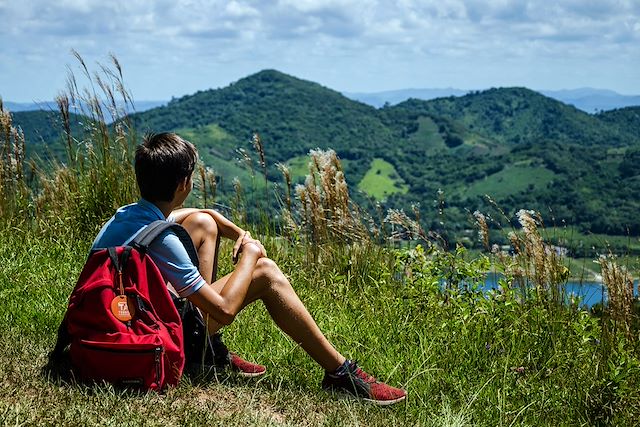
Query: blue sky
[176,47]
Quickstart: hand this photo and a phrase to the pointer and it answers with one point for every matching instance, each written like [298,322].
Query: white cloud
[324,38]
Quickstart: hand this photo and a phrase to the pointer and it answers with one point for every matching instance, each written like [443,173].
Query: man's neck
[165,207]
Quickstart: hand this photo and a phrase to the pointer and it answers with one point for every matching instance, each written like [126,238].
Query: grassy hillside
[579,166]
[627,118]
[291,115]
[516,178]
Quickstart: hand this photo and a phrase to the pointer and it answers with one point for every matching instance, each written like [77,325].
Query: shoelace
[357,371]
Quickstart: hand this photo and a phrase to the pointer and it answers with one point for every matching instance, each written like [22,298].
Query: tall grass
[384,290]
[79,194]
[13,185]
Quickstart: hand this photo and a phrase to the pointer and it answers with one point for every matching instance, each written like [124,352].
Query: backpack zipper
[113,350]
[158,351]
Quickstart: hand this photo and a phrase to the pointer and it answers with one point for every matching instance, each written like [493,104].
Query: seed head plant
[209,184]
[98,175]
[619,283]
[326,211]
[13,188]
[483,228]
[286,174]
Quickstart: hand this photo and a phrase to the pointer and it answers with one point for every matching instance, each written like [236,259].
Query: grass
[459,359]
[299,167]
[428,135]
[35,287]
[382,180]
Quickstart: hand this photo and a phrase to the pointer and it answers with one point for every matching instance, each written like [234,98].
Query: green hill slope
[523,149]
[624,118]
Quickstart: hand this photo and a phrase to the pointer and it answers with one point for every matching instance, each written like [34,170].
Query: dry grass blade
[286,173]
[405,228]
[13,188]
[209,184]
[246,159]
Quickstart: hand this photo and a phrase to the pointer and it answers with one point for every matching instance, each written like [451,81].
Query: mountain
[546,156]
[586,99]
[594,100]
[29,106]
[291,115]
[519,114]
[524,149]
[393,97]
[627,118]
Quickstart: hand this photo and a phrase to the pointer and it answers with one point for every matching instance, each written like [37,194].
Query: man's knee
[201,223]
[268,269]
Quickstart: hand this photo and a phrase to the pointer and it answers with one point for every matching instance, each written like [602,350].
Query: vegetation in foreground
[517,356]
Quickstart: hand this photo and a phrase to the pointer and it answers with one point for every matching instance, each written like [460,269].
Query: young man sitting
[164,164]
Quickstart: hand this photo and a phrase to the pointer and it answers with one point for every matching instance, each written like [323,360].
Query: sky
[170,48]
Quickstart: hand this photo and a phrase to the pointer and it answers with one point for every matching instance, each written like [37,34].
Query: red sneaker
[217,360]
[351,379]
[245,368]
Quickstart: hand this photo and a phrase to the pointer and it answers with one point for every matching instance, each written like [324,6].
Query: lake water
[590,292]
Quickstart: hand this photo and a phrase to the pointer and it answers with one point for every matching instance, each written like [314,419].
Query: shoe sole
[384,402]
[249,374]
[351,396]
[197,371]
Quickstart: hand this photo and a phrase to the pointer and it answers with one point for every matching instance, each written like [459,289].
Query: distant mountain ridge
[524,149]
[589,100]
[52,106]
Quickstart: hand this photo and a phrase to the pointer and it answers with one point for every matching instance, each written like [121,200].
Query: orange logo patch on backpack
[122,308]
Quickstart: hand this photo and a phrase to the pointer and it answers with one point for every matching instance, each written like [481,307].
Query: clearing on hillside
[382,180]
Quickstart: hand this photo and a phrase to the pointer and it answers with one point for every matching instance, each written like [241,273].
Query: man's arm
[224,306]
[226,228]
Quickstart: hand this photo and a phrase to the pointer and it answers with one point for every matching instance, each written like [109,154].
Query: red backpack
[121,324]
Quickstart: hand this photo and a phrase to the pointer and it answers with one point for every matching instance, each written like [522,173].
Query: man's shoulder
[123,226]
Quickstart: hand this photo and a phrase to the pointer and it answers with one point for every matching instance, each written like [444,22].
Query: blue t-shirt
[166,251]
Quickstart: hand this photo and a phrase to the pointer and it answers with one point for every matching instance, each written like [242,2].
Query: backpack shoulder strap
[142,241]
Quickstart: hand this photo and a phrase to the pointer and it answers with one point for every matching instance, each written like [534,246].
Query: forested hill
[625,118]
[43,132]
[522,148]
[514,115]
[291,115]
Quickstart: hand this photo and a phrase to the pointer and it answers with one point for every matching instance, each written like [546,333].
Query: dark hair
[163,161]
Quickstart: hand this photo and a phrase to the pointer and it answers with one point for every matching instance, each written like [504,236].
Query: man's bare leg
[271,286]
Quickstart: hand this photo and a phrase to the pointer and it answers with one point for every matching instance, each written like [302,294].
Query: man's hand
[245,239]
